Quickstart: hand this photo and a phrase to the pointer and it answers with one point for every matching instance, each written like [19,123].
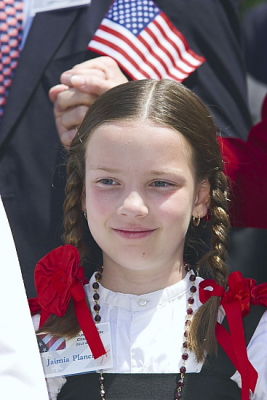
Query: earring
[85,215]
[195,220]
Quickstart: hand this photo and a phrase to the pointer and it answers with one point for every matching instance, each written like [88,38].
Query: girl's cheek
[100,200]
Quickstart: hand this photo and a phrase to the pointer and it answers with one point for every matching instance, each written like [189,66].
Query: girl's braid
[202,332]
[73,218]
[220,223]
[68,325]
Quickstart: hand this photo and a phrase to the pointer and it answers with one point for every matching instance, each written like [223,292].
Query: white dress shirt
[147,334]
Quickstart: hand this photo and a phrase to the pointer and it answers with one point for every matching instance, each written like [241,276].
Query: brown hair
[169,104]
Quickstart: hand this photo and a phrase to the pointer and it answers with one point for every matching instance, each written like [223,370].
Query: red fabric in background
[246,165]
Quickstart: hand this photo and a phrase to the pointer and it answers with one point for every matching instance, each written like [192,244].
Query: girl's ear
[202,199]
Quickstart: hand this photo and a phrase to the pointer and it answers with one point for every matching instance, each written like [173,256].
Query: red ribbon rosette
[236,301]
[55,275]
[59,278]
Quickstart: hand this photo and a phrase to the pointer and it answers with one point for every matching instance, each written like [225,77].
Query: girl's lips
[134,234]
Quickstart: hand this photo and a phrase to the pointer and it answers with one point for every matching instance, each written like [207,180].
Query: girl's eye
[163,184]
[107,181]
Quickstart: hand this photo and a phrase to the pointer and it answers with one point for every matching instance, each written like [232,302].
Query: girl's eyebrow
[166,171]
[152,172]
[106,169]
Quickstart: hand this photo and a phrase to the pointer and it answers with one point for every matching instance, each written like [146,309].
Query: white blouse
[147,334]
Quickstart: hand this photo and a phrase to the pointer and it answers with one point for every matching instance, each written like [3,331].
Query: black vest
[213,382]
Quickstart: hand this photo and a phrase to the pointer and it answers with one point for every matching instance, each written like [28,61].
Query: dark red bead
[185,356]
[97,318]
[97,307]
[191,300]
[180,384]
[183,370]
[96,296]
[189,311]
[193,289]
[98,276]
[192,278]
[96,285]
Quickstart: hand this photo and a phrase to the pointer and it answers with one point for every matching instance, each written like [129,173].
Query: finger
[66,76]
[55,90]
[73,97]
[104,67]
[67,137]
[108,66]
[94,85]
[111,68]
[99,63]
[72,118]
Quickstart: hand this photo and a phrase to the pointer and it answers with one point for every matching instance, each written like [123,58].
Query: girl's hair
[169,104]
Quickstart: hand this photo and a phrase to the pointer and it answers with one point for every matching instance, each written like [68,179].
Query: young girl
[145,174]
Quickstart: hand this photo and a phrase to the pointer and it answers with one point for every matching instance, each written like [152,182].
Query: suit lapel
[46,34]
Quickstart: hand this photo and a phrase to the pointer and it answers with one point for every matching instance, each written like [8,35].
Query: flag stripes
[48,342]
[158,51]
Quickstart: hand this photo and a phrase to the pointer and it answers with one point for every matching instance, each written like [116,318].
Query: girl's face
[140,193]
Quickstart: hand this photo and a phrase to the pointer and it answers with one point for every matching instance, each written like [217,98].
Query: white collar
[132,302]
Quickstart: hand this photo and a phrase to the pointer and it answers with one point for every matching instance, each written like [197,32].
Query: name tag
[48,5]
[73,356]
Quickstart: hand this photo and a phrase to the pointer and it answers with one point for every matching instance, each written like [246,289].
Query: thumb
[55,90]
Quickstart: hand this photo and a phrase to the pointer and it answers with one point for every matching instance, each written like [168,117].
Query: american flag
[144,42]
[47,342]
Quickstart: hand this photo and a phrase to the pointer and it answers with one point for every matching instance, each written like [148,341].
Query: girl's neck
[123,280]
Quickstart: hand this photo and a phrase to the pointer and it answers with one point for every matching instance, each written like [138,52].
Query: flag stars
[134,15]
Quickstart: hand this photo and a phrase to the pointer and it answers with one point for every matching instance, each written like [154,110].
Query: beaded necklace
[188,319]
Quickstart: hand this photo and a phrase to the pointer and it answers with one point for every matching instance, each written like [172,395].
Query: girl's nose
[133,205]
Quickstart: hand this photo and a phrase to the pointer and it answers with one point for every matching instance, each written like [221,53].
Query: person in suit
[220,80]
[224,64]
[30,150]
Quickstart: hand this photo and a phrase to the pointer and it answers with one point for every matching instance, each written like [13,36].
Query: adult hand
[79,88]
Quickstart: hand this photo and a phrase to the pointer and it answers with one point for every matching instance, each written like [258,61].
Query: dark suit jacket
[29,145]
[255,32]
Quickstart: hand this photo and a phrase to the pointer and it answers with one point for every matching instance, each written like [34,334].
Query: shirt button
[142,302]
